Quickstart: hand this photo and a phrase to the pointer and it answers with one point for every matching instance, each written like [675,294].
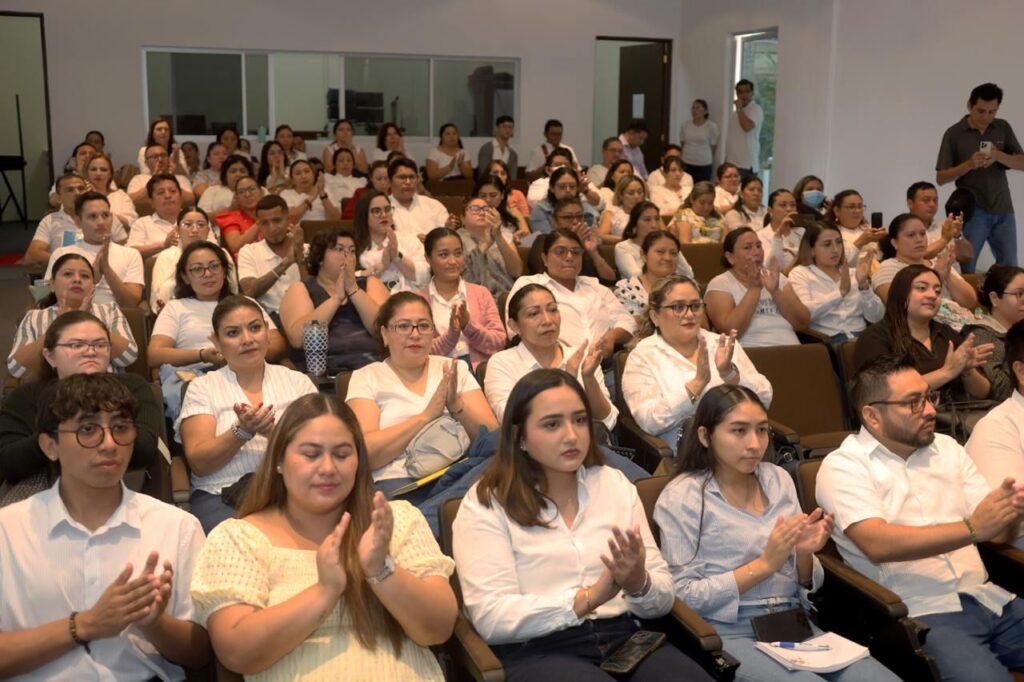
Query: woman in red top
[238,227]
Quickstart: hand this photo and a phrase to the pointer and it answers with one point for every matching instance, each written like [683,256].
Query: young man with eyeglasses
[414,213]
[118,269]
[909,508]
[267,267]
[158,162]
[94,578]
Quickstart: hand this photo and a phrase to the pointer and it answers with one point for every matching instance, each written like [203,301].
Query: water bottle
[314,344]
[261,134]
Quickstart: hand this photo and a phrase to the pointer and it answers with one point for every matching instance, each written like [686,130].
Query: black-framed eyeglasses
[1019,294]
[200,270]
[80,346]
[679,308]
[90,435]
[915,403]
[378,211]
[405,328]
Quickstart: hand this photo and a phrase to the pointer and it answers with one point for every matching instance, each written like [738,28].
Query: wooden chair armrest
[1005,565]
[471,654]
[883,601]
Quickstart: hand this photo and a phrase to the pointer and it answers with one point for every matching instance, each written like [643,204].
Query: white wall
[554,42]
[607,55]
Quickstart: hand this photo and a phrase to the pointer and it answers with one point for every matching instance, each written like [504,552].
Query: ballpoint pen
[798,646]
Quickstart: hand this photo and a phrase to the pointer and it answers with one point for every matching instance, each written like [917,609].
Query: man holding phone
[976,152]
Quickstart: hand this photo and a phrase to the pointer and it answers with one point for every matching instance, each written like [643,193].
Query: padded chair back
[521,183]
[806,478]
[805,395]
[705,259]
[453,202]
[147,276]
[311,228]
[847,370]
[607,252]
[447,514]
[481,372]
[457,189]
[649,489]
[341,384]
[138,323]
[502,300]
[524,255]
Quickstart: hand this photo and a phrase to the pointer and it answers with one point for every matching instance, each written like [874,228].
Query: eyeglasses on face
[679,308]
[378,211]
[194,224]
[200,270]
[405,328]
[341,248]
[476,209]
[90,435]
[563,251]
[246,191]
[570,217]
[80,346]
[915,403]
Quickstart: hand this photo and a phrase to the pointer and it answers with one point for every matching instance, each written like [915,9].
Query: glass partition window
[472,94]
[380,89]
[199,92]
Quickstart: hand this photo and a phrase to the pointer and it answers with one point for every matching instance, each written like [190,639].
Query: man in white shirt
[414,213]
[997,442]
[268,266]
[158,162]
[500,148]
[611,151]
[923,202]
[118,269]
[553,130]
[632,140]
[909,507]
[743,140]
[155,232]
[94,578]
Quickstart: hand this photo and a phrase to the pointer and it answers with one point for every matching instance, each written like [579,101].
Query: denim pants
[575,654]
[999,230]
[976,645]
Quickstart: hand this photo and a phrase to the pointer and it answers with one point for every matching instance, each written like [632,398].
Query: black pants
[700,173]
[575,655]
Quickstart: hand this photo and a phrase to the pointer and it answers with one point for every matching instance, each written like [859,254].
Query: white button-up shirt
[936,484]
[831,312]
[588,311]
[997,444]
[149,229]
[422,216]
[507,367]
[257,259]
[59,229]
[654,376]
[125,261]
[51,565]
[520,582]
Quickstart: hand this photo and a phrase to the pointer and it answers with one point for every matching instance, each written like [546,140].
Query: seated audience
[394,257]
[657,177]
[590,311]
[193,225]
[268,266]
[553,132]
[378,180]
[401,398]
[222,196]
[156,231]
[697,221]
[673,190]
[448,160]
[629,192]
[553,548]
[76,342]
[837,295]
[415,214]
[632,139]
[491,259]
[564,182]
[343,132]
[95,576]
[160,134]
[673,351]
[273,168]
[118,268]
[561,158]
[516,199]
[847,211]
[99,176]
[158,165]
[569,214]
[810,198]
[307,198]
[58,228]
[629,253]
[699,141]
[618,170]
[499,148]
[611,151]
[239,227]
[727,191]
[660,258]
[748,211]
[389,139]
[909,243]
[923,202]
[290,144]
[533,315]
[944,358]
[997,443]
[341,182]
[467,325]
[228,136]
[1002,299]
[909,506]
[493,190]
[180,343]
[209,176]
[758,556]
[332,294]
[780,237]
[757,301]
[191,152]
[319,577]
[228,414]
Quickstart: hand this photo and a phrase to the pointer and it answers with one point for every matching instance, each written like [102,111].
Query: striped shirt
[35,323]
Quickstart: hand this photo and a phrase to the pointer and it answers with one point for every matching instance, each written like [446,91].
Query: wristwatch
[323,197]
[385,573]
[241,434]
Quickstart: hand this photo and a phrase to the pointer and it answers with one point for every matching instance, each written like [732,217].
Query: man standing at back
[743,139]
[975,152]
[500,148]
[632,140]
[553,131]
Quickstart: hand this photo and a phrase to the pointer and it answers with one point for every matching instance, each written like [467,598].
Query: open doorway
[756,58]
[632,79]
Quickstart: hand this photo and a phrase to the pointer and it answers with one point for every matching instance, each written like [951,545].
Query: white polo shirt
[125,261]
[422,216]
[161,280]
[149,229]
[59,229]
[257,259]
[997,445]
[50,565]
[139,182]
[743,147]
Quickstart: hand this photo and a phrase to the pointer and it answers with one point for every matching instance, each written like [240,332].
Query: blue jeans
[999,230]
[756,666]
[976,644]
[209,509]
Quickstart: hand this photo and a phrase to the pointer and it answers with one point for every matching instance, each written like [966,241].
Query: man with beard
[268,266]
[909,507]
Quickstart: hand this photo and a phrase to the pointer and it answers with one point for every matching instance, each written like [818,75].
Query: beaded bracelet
[74,633]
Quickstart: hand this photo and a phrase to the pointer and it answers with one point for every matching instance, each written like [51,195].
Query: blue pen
[798,646]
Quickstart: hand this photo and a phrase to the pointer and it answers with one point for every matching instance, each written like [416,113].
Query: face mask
[813,197]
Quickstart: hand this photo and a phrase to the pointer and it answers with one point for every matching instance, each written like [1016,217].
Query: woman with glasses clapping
[395,258]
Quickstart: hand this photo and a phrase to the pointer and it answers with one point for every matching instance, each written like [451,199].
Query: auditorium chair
[311,228]
[706,261]
[456,189]
[453,203]
[140,323]
[472,658]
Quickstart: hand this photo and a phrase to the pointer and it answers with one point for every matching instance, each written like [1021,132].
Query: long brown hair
[514,479]
[266,489]
[896,309]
